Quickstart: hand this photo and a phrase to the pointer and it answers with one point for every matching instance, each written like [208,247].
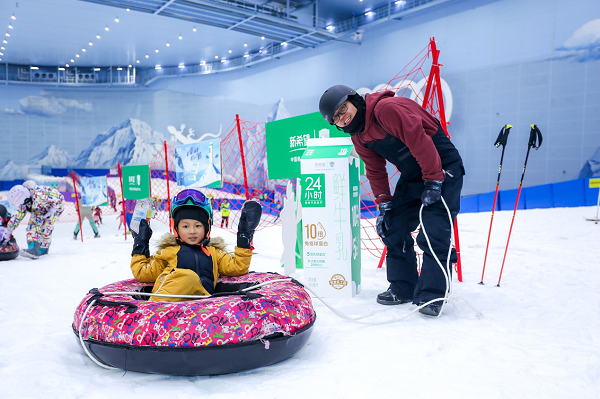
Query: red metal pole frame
[237,120]
[77,204]
[168,188]
[382,257]
[457,266]
[123,198]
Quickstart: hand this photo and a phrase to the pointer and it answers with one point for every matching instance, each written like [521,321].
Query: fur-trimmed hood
[169,240]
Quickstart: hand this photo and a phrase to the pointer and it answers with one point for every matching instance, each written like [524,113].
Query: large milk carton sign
[330,199]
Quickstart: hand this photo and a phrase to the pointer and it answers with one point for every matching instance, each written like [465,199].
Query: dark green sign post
[136,182]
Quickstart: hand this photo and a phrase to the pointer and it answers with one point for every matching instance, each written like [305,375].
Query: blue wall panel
[486,201]
[569,193]
[591,194]
[469,204]
[508,198]
[537,197]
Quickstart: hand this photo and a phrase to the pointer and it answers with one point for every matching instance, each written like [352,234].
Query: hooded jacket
[406,120]
[165,265]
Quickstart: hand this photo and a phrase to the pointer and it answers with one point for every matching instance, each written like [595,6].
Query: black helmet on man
[332,99]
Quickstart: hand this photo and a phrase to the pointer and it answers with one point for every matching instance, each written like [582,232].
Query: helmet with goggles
[191,197]
[332,99]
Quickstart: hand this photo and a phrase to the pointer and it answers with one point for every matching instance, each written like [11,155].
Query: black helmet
[332,99]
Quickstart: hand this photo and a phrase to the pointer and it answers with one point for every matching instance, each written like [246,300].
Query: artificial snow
[538,336]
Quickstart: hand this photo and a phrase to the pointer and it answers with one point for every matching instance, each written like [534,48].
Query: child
[10,250]
[86,213]
[225,213]
[190,262]
[45,204]
[98,215]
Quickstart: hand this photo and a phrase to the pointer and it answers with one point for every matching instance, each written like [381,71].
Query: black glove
[249,219]
[380,225]
[432,192]
[141,240]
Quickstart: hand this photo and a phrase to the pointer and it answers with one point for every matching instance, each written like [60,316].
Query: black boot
[389,298]
[433,309]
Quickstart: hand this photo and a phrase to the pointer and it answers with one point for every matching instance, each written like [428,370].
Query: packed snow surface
[538,335]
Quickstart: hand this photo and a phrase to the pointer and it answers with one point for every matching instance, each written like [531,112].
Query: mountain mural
[131,143]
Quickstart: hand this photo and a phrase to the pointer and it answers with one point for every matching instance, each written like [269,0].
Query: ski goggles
[190,196]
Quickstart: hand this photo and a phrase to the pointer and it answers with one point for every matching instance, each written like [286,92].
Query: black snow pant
[403,219]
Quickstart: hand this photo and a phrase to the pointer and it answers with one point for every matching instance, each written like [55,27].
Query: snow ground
[538,337]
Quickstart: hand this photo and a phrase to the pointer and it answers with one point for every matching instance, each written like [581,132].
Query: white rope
[83,344]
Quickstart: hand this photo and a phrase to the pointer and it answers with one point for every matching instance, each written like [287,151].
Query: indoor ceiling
[146,33]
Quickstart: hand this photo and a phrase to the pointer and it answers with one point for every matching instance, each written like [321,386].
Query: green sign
[286,142]
[313,190]
[136,181]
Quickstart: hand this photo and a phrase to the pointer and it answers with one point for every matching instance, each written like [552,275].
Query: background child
[10,249]
[191,261]
[225,213]
[86,213]
[45,204]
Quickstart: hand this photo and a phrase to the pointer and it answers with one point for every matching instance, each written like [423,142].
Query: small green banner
[313,190]
[136,181]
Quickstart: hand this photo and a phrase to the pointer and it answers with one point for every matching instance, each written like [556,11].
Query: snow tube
[231,331]
[9,251]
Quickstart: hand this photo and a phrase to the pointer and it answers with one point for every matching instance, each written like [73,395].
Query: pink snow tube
[231,331]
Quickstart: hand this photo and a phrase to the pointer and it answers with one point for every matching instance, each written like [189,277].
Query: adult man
[397,129]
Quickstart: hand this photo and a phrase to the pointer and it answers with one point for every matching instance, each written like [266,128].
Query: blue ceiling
[146,33]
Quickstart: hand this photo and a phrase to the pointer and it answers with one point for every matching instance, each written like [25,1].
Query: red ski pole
[500,141]
[535,141]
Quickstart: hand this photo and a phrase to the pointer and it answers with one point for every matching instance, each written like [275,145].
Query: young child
[45,204]
[86,213]
[190,261]
[98,215]
[225,213]
[9,250]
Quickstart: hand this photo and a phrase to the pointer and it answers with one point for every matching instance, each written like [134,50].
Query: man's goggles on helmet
[189,197]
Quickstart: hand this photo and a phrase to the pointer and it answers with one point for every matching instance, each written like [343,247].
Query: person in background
[10,249]
[397,129]
[45,204]
[225,213]
[98,215]
[190,261]
[85,212]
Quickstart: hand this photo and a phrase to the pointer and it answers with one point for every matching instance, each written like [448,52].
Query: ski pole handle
[535,137]
[503,136]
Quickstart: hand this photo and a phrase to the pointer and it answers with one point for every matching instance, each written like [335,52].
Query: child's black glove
[141,240]
[249,219]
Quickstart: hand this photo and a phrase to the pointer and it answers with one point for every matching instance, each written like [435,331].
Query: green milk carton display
[330,199]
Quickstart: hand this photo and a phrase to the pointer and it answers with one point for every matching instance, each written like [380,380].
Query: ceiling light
[223,60]
[13,17]
[1,53]
[194,29]
[137,61]
[129,65]
[61,69]
[181,66]
[35,68]
[84,50]
[158,67]
[216,57]
[246,55]
[120,69]
[10,26]
[91,44]
[283,43]
[369,13]
[4,41]
[96,69]
[147,56]
[262,38]
[168,44]
[156,51]
[399,2]
[180,37]
[7,34]
[117,19]
[229,51]
[98,36]
[72,60]
[67,65]
[106,28]
[245,44]
[329,27]
[2,48]
[128,11]
[77,55]
[202,62]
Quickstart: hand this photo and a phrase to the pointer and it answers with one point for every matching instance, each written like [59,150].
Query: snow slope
[538,336]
